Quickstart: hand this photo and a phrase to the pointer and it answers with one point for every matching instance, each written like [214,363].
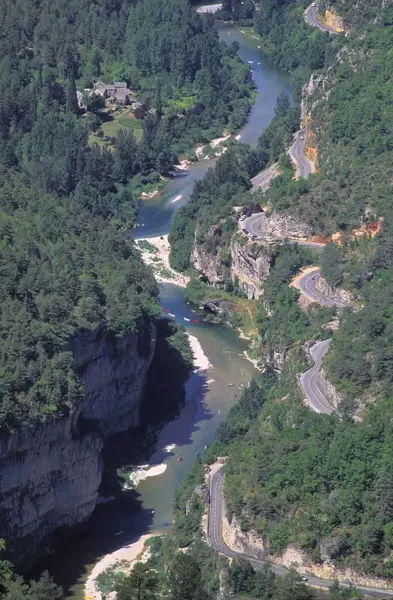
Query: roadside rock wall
[336,294]
[50,473]
[283,225]
[250,264]
[294,557]
[316,90]
[328,389]
[247,543]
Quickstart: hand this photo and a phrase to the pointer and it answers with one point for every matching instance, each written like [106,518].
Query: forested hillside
[287,37]
[320,482]
[353,128]
[351,123]
[68,264]
[297,476]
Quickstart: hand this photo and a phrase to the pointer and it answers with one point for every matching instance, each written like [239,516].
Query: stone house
[114,93]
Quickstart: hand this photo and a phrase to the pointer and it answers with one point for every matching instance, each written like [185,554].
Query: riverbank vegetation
[184,556]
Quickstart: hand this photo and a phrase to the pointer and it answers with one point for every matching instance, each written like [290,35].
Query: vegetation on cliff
[359,14]
[288,39]
[296,476]
[360,361]
[352,126]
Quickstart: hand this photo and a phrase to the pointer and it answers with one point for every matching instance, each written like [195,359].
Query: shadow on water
[99,536]
[120,518]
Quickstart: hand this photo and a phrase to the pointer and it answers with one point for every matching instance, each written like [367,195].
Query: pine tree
[71,98]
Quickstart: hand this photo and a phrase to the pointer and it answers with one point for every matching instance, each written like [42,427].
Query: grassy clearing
[122,118]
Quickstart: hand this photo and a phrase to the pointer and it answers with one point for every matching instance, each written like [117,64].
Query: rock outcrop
[209,264]
[328,389]
[334,293]
[248,543]
[281,226]
[250,264]
[294,557]
[314,91]
[50,473]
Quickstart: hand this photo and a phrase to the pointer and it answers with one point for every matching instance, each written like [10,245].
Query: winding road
[252,226]
[307,285]
[311,16]
[309,380]
[296,152]
[216,509]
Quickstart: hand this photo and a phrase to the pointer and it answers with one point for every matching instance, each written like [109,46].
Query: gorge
[87,369]
[150,508]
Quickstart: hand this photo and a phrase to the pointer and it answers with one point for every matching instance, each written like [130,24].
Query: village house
[114,93]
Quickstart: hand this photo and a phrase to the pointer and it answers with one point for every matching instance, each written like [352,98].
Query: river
[118,522]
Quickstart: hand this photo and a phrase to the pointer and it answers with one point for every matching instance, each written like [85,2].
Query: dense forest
[68,264]
[14,587]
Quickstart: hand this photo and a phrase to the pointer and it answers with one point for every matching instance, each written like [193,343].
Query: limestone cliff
[207,261]
[328,389]
[315,91]
[248,262]
[50,472]
[278,226]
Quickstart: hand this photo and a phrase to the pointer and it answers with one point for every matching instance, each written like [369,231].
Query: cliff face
[328,389]
[50,473]
[315,91]
[113,372]
[248,262]
[209,264]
